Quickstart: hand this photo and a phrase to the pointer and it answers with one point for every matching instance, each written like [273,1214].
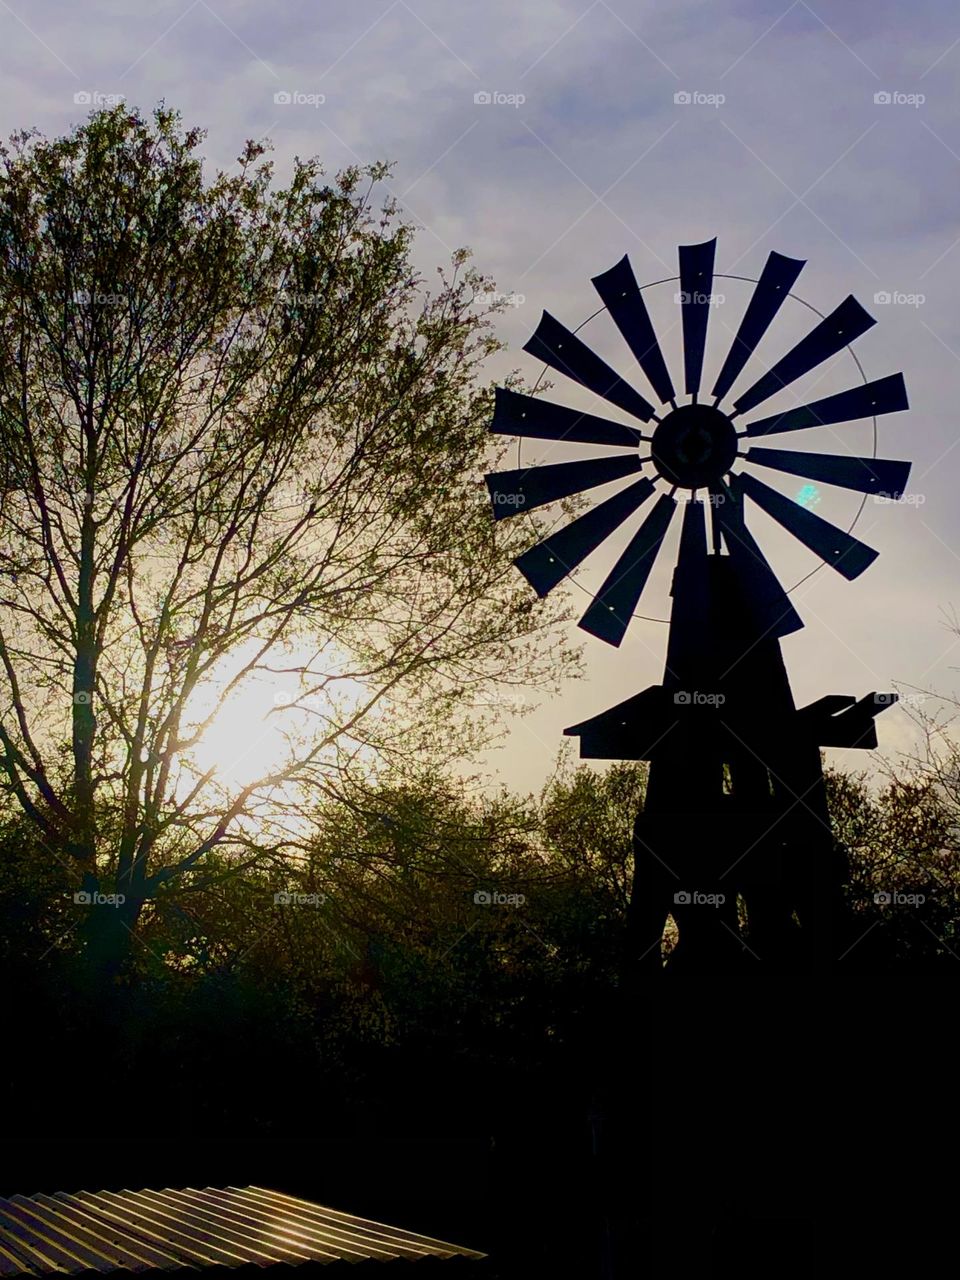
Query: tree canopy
[241,439]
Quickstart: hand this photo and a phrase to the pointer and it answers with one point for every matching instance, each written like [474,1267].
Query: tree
[588,818]
[903,885]
[239,437]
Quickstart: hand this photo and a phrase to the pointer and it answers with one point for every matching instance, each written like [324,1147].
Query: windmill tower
[735,820]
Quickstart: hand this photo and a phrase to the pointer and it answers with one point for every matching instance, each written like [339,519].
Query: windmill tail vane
[694,445]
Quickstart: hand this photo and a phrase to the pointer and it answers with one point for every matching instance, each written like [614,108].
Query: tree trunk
[109,939]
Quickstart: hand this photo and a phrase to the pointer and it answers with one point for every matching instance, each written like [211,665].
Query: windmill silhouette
[735,817]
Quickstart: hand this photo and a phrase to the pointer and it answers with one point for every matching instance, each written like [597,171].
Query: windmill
[735,819]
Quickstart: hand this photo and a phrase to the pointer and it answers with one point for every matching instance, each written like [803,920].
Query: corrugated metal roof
[183,1228]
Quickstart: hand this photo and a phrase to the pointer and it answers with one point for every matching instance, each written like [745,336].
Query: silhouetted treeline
[431,977]
[420,920]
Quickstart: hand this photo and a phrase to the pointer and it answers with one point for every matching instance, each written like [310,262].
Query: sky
[552,137]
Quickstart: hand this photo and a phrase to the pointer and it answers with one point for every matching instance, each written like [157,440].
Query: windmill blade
[514,491]
[776,281]
[562,350]
[868,475]
[769,603]
[832,334]
[618,288]
[515,414]
[551,560]
[840,550]
[885,395]
[696,287]
[611,611]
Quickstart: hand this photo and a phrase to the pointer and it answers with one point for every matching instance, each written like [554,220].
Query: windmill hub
[694,446]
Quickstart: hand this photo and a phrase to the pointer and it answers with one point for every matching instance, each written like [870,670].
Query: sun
[272,716]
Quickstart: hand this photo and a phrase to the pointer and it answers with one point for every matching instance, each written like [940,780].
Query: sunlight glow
[271,716]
